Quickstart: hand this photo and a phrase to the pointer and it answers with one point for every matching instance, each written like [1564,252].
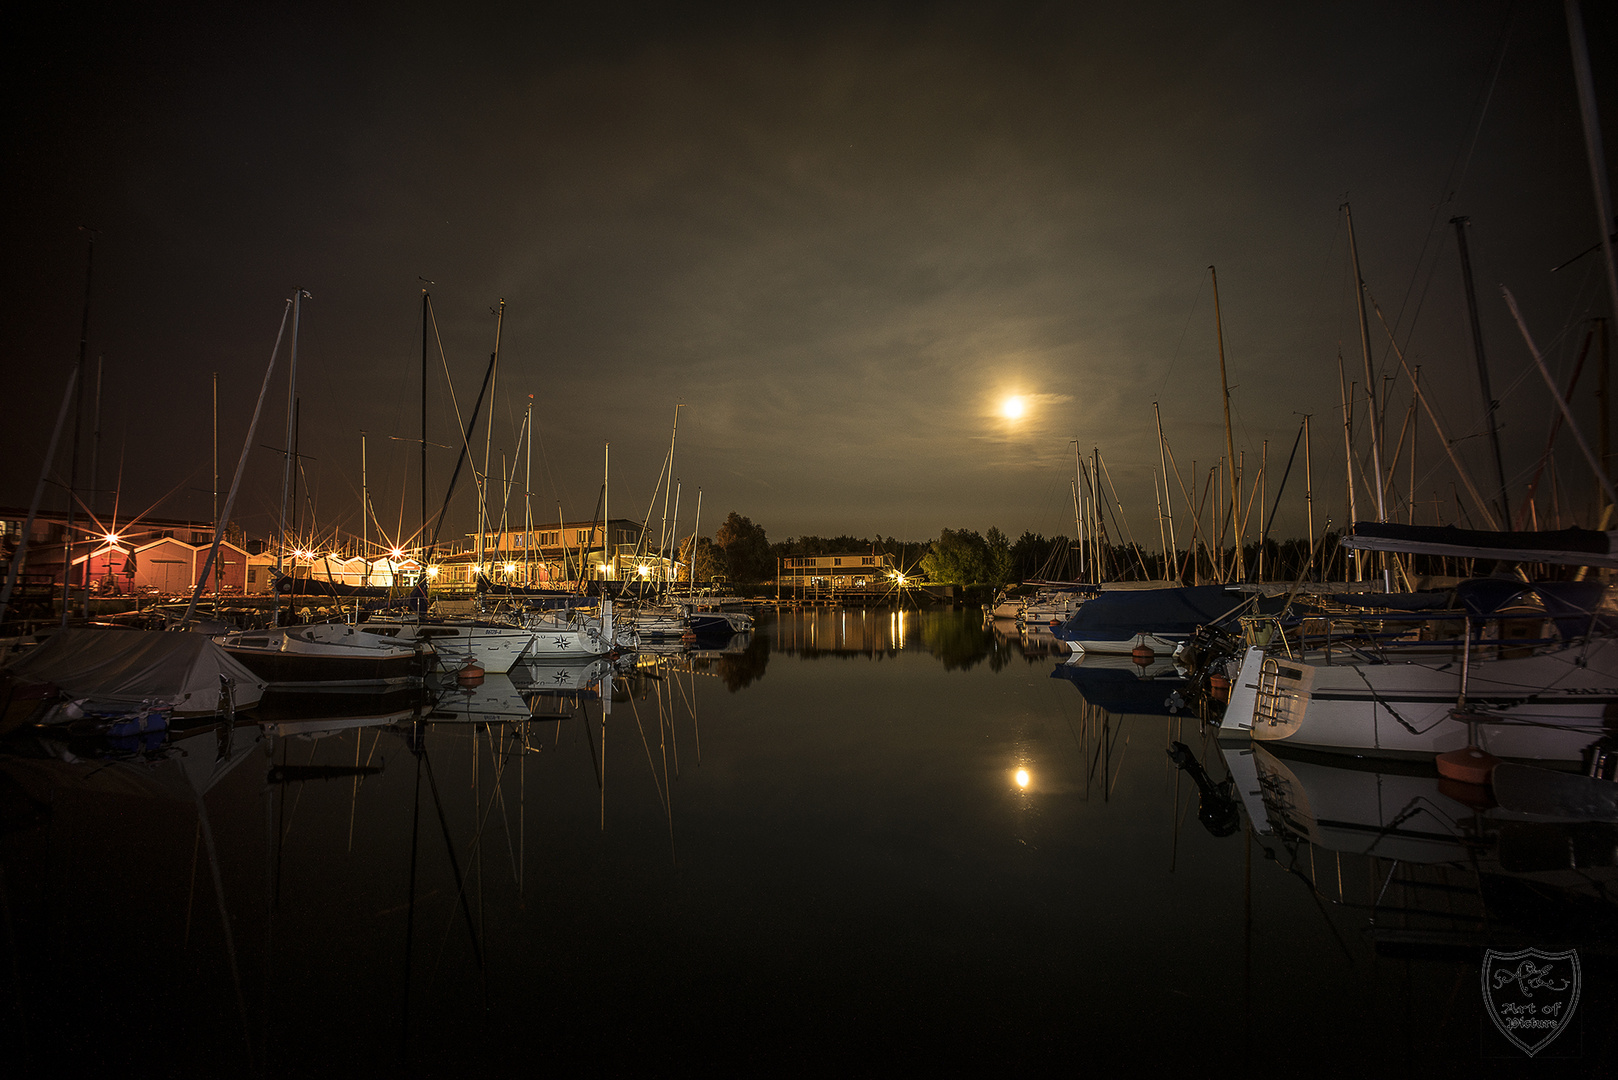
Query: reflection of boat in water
[1440,864]
[493,700]
[315,715]
[715,647]
[1038,640]
[1119,685]
[560,676]
[1408,813]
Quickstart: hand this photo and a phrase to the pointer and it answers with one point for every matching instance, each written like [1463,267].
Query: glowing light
[1022,779]
[643,570]
[1013,407]
[511,568]
[900,578]
[396,554]
[432,571]
[111,538]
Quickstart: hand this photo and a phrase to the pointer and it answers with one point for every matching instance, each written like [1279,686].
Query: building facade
[846,570]
[568,551]
[148,557]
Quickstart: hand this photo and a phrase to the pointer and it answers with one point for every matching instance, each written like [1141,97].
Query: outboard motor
[1217,806]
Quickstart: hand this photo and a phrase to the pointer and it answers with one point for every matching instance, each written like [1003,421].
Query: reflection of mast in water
[1097,736]
[664,677]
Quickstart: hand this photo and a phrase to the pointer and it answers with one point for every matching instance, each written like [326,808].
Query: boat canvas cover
[112,667]
[1119,616]
[1579,608]
[1569,547]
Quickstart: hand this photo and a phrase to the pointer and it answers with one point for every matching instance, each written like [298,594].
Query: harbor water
[869,841]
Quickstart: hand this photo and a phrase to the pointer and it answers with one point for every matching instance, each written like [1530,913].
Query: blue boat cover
[1578,607]
[1119,616]
[1573,547]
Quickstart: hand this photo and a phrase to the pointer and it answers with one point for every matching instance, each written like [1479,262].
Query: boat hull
[1548,707]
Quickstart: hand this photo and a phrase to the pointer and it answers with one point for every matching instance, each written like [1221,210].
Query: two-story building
[567,551]
[845,570]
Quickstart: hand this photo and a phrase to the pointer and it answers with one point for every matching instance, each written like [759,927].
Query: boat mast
[528,499]
[1309,494]
[673,558]
[21,554]
[1263,487]
[1097,509]
[1162,538]
[1230,446]
[1490,405]
[1370,388]
[365,513]
[488,440]
[1174,545]
[696,530]
[668,479]
[421,540]
[1592,143]
[78,418]
[1077,525]
[1348,459]
[286,468]
[235,484]
[1078,517]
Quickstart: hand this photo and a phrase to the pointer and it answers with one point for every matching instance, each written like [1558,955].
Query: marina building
[567,551]
[149,557]
[845,570]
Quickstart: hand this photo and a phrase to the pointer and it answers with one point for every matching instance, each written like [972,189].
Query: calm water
[815,851]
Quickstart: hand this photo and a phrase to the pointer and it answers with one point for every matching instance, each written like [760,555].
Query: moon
[1012,408]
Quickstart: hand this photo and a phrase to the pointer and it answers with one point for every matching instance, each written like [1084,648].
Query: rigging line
[460,427]
[1147,575]
[1452,185]
[1179,345]
[505,817]
[656,783]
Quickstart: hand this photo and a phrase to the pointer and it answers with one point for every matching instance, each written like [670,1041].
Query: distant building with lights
[148,557]
[568,551]
[166,557]
[847,570]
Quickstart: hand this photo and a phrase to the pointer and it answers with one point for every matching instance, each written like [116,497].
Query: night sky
[839,236]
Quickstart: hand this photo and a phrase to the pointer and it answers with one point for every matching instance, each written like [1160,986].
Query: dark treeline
[743,551]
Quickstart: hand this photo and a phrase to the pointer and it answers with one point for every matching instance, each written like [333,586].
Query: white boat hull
[1549,706]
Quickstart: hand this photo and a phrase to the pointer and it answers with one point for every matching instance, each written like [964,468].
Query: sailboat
[1532,674]
[321,655]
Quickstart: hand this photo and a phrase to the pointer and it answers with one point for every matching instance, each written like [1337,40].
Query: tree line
[742,551]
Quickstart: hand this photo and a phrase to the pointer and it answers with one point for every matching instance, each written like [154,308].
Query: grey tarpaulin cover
[126,667]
